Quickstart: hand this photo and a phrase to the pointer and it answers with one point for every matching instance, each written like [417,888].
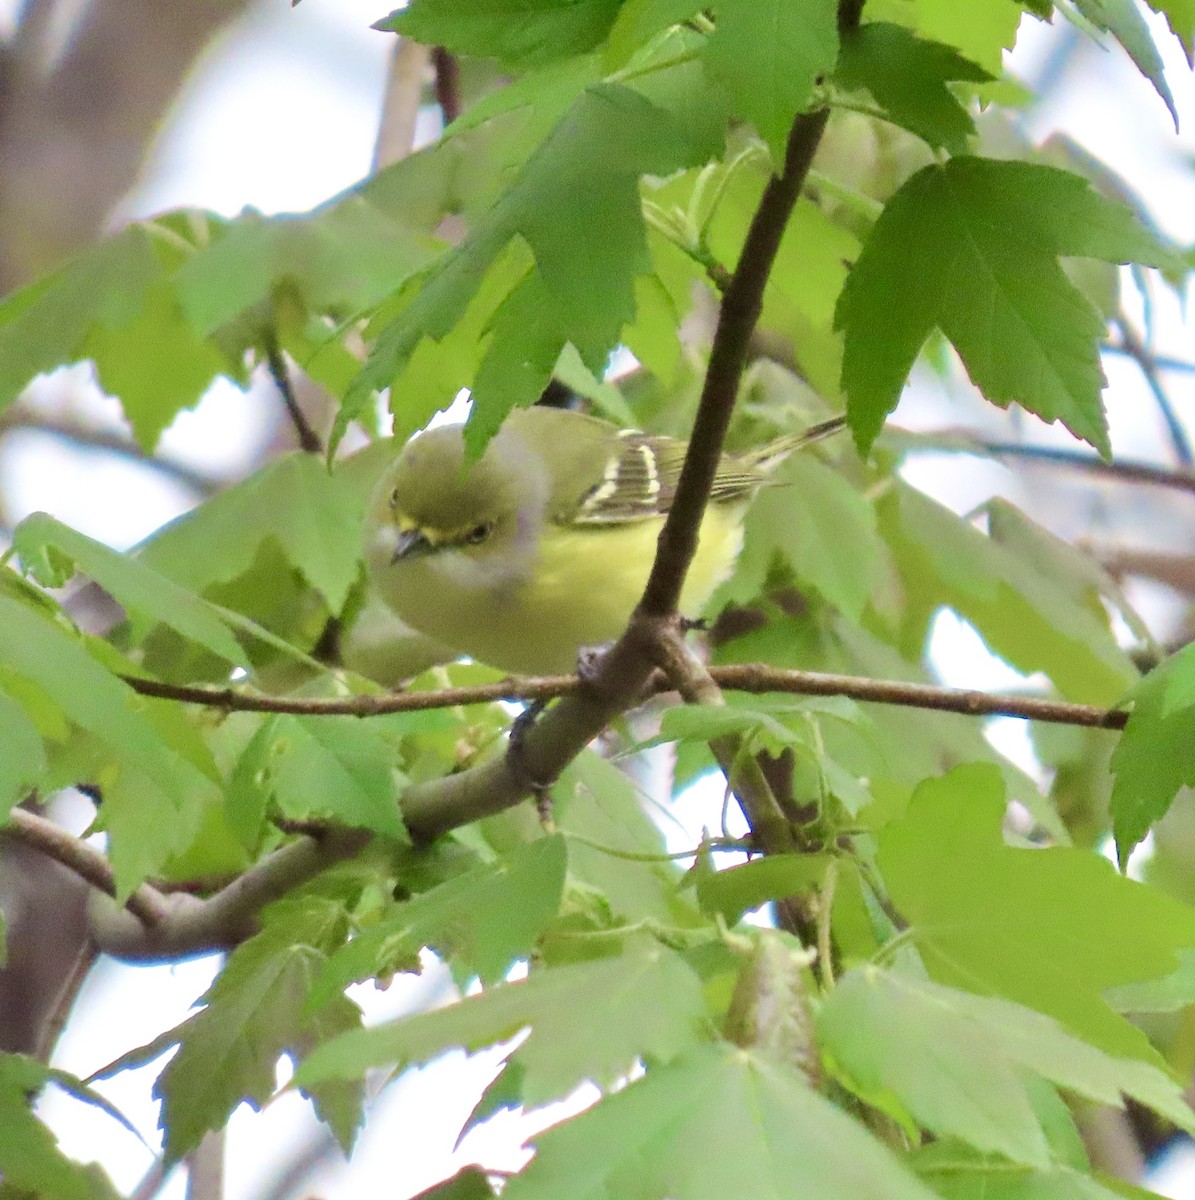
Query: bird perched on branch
[544,544]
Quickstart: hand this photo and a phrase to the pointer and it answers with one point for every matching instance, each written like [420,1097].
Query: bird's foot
[694,625]
[589,661]
[516,760]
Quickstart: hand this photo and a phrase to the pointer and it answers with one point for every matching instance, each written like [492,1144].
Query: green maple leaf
[43,543]
[1153,758]
[718,1122]
[1180,16]
[908,77]
[517,32]
[487,919]
[981,30]
[644,1004]
[971,247]
[314,515]
[338,768]
[959,1063]
[1123,20]
[822,527]
[22,755]
[161,770]
[31,1164]
[958,1173]
[1050,928]
[768,53]
[255,1011]
[1025,606]
[575,204]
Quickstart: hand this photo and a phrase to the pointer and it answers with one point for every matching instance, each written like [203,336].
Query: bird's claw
[589,661]
[515,759]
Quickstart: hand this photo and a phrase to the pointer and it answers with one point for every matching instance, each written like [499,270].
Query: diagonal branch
[309,440]
[1141,354]
[737,318]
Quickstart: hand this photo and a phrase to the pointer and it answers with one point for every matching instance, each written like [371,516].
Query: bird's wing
[640,480]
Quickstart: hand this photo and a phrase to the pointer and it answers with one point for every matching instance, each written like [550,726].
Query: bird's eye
[394,499]
[479,533]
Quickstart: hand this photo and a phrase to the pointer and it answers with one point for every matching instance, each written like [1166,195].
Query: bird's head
[432,501]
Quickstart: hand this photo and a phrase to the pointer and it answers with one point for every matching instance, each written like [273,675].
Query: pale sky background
[281,114]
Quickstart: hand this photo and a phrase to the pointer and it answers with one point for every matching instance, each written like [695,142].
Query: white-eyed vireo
[544,544]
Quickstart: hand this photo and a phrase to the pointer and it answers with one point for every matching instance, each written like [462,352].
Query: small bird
[543,545]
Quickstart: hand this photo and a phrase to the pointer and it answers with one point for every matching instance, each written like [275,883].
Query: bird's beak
[410,542]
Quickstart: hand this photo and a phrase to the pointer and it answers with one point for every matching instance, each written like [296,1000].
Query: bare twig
[400,105]
[309,440]
[112,443]
[65,1001]
[1161,362]
[159,927]
[1124,470]
[1136,349]
[205,1168]
[744,677]
[146,904]
[153,1181]
[448,83]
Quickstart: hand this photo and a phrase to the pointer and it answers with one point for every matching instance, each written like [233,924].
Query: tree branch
[755,678]
[147,905]
[111,442]
[1161,362]
[448,83]
[309,440]
[192,925]
[770,828]
[1124,470]
[400,105]
[1137,350]
[737,317]
[195,926]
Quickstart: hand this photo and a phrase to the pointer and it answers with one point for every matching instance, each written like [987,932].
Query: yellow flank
[579,591]
[589,578]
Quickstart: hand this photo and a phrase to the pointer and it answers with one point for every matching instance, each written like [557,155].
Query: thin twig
[378,704]
[436,807]
[1124,470]
[1141,354]
[205,1168]
[1161,362]
[448,83]
[64,1003]
[744,677]
[147,904]
[110,442]
[153,1181]
[309,440]
[400,104]
[770,828]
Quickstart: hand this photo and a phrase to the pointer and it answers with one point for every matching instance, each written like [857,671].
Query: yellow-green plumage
[543,545]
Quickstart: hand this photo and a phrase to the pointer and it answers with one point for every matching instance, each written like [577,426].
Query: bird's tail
[766,458]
